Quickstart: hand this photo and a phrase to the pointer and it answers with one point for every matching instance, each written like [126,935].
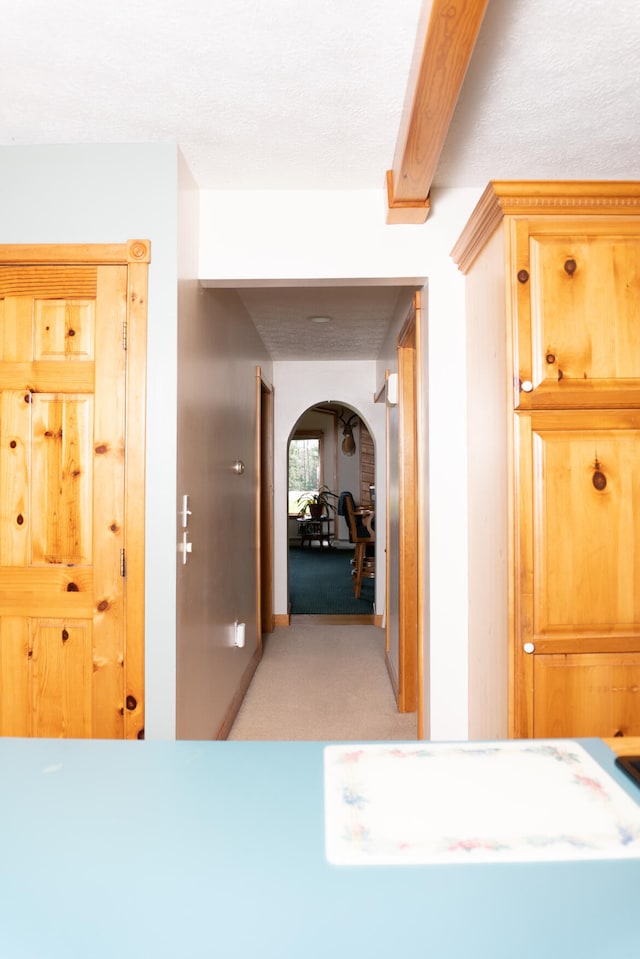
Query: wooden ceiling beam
[446,37]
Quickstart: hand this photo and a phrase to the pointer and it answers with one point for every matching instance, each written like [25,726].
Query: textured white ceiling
[359,318]
[260,94]
[277,94]
[552,92]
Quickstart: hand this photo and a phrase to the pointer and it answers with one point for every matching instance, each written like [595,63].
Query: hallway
[318,682]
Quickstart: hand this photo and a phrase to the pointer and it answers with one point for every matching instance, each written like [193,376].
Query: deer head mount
[348,442]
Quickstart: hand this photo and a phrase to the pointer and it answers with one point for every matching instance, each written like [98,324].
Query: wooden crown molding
[527,198]
[446,37]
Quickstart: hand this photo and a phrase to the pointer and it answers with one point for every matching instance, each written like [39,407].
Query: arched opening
[331,452]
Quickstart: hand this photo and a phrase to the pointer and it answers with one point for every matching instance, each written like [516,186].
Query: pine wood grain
[137,294]
[108,455]
[587,694]
[63,521]
[446,37]
[624,745]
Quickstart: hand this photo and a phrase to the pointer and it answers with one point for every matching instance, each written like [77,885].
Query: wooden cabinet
[576,332]
[554,269]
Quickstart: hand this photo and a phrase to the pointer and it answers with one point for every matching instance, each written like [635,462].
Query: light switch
[185,547]
[185,512]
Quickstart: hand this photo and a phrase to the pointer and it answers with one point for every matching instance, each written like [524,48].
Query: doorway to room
[331,453]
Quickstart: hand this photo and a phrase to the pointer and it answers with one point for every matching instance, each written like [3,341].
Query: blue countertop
[201,849]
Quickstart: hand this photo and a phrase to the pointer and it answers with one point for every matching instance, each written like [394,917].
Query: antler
[348,443]
[351,422]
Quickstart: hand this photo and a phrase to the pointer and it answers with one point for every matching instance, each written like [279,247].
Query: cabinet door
[577,296]
[577,572]
[586,694]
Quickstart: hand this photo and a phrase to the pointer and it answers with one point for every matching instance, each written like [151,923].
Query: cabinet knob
[526,386]
[529,647]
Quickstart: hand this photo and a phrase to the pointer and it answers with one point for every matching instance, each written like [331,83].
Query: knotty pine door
[63,365]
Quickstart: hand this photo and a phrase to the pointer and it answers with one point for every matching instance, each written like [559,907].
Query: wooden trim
[281,619]
[334,619]
[135,463]
[422,513]
[624,745]
[528,198]
[410,212]
[480,226]
[234,706]
[133,251]
[406,338]
[265,506]
[387,552]
[258,507]
[408,518]
[447,34]
[49,280]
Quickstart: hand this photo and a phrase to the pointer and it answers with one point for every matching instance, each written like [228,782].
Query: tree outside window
[305,467]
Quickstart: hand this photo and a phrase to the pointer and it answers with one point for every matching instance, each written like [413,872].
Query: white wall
[109,194]
[305,235]
[297,386]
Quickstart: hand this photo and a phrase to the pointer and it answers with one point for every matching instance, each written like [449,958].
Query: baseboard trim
[236,702]
[393,676]
[332,620]
[286,619]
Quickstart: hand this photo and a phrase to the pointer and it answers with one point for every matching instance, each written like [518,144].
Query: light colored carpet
[323,683]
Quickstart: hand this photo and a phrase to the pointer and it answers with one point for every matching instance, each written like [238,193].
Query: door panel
[60,660]
[61,479]
[587,542]
[64,329]
[62,494]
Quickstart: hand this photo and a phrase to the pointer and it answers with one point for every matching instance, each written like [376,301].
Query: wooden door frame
[408,525]
[135,255]
[264,525]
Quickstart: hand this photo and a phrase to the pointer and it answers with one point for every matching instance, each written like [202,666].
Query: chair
[362,535]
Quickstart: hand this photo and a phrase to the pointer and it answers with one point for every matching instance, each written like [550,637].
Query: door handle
[529,648]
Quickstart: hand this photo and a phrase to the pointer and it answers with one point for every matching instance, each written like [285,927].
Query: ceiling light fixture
[320,319]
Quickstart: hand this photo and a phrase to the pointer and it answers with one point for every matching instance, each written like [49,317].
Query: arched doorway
[330,451]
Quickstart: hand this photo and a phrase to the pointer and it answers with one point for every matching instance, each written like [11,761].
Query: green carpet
[320,584]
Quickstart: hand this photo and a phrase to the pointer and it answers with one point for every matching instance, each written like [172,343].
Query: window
[305,466]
